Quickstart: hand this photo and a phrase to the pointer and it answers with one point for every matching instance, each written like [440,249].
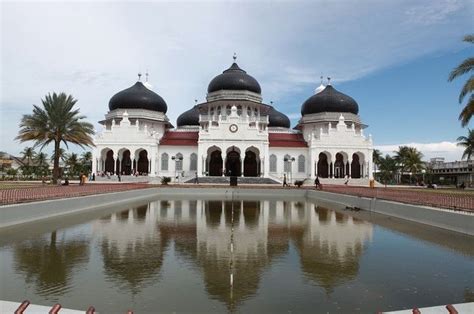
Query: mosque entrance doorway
[215,163]
[142,165]
[323,166]
[355,166]
[339,166]
[250,164]
[233,164]
[109,162]
[126,167]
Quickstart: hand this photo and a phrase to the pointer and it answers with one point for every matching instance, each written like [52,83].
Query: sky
[392,57]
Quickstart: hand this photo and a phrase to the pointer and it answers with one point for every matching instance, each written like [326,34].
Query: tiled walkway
[442,199]
[435,198]
[40,193]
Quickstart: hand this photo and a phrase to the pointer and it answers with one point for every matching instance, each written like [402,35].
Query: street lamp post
[176,159]
[290,173]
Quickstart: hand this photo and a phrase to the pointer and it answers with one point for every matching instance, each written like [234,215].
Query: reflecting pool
[235,256]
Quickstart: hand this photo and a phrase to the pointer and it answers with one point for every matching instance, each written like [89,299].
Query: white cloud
[93,50]
[449,150]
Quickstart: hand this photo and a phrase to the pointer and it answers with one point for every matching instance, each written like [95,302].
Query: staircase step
[240,180]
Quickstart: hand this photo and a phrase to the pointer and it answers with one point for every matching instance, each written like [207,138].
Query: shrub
[165,180]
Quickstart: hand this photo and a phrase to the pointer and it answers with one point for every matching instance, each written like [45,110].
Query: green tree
[86,161]
[27,155]
[73,164]
[413,162]
[388,168]
[465,67]
[57,122]
[468,143]
[41,164]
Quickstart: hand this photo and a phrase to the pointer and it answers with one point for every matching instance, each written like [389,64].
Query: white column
[94,164]
[241,167]
[332,169]
[152,166]
[350,168]
[370,169]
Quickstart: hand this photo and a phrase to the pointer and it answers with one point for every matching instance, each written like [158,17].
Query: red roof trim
[286,140]
[180,138]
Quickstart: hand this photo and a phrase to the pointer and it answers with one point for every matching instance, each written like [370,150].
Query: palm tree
[86,161]
[28,154]
[413,162]
[41,164]
[72,162]
[468,143]
[388,167]
[400,158]
[465,67]
[57,122]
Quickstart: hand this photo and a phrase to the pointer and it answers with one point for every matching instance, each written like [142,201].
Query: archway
[109,162]
[323,166]
[251,163]
[355,166]
[142,164]
[126,167]
[215,163]
[339,169]
[233,163]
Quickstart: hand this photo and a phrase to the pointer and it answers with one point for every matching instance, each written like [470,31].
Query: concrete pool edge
[16,214]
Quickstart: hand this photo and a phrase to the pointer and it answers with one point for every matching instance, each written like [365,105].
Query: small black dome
[329,100]
[138,97]
[277,119]
[190,117]
[234,78]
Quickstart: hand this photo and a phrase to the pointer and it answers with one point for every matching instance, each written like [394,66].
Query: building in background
[455,172]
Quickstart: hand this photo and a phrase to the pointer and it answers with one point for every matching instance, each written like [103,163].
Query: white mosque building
[233,133]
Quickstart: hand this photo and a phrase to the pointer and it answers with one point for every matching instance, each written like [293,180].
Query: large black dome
[277,119]
[234,78]
[329,100]
[138,97]
[190,117]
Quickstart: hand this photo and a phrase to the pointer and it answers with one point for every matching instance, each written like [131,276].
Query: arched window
[179,162]
[194,162]
[301,163]
[164,161]
[287,165]
[273,163]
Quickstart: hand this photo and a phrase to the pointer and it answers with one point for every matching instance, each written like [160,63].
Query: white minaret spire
[234,56]
[321,87]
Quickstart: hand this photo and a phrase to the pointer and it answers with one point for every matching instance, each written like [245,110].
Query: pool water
[235,256]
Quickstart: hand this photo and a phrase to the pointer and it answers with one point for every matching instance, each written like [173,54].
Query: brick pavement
[457,201]
[41,193]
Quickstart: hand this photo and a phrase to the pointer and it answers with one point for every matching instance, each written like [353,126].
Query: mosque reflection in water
[134,242]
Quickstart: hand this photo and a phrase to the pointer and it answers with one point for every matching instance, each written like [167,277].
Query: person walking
[317,183]
[196,179]
[284,180]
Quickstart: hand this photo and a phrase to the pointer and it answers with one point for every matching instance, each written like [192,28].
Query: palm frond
[466,114]
[467,88]
[465,67]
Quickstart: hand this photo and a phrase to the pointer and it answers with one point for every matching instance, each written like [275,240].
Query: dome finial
[146,76]
[321,77]
[234,56]
[329,80]
[271,102]
[195,101]
[139,76]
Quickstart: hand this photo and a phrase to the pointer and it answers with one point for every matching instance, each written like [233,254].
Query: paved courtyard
[449,199]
